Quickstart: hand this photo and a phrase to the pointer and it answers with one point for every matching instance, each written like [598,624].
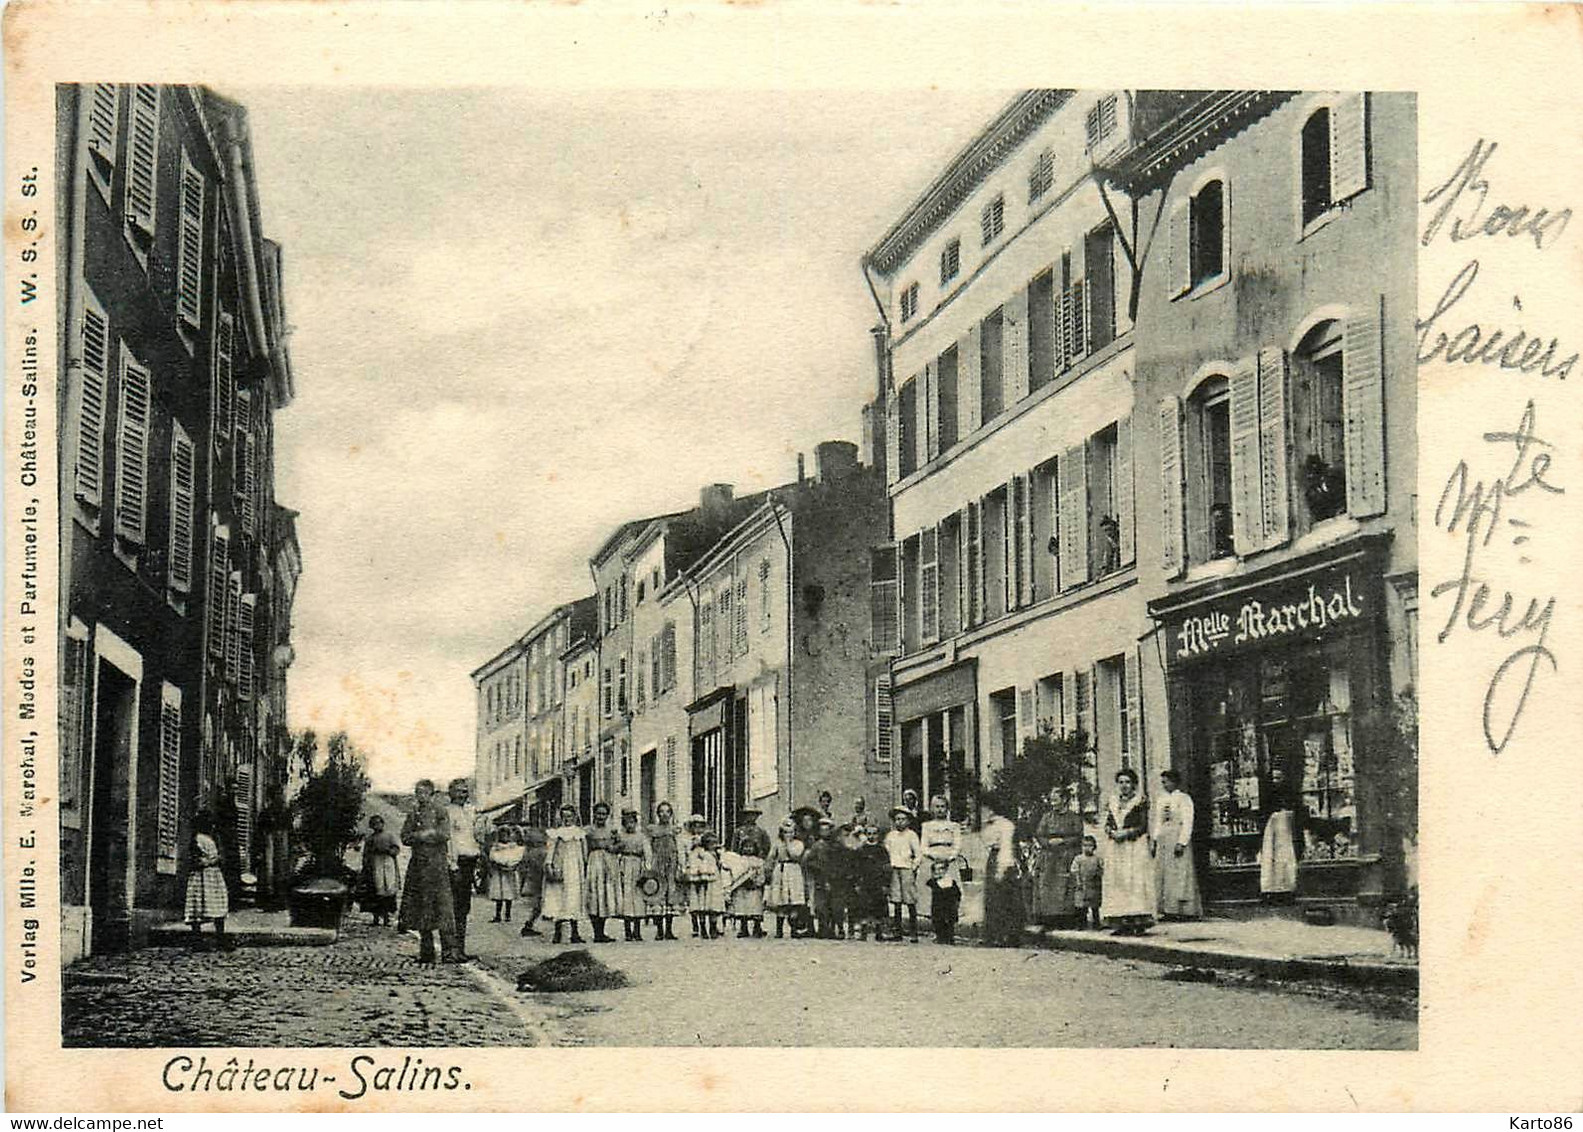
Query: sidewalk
[246,927]
[1274,947]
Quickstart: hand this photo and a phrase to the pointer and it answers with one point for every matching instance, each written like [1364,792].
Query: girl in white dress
[565,871]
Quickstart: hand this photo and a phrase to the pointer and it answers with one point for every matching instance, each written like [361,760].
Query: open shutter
[244,808]
[1172,519]
[1125,527]
[1178,249]
[224,383]
[214,600]
[92,396]
[884,718]
[243,422]
[1083,698]
[142,168]
[246,613]
[1349,147]
[1247,513]
[104,123]
[930,414]
[1079,310]
[183,489]
[168,837]
[929,583]
[1130,674]
[131,447]
[964,612]
[969,382]
[670,656]
[981,549]
[1273,447]
[892,435]
[1027,720]
[189,251]
[248,489]
[1363,396]
[1022,522]
[1014,346]
[884,599]
[1074,517]
[233,636]
[741,647]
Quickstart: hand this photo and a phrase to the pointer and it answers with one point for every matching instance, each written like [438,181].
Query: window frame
[1041,177]
[950,260]
[992,220]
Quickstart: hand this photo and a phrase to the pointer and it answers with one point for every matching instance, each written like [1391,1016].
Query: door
[646,770]
[109,852]
[708,788]
[585,793]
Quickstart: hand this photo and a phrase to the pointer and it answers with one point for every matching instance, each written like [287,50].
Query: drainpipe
[76,256]
[791,594]
[236,189]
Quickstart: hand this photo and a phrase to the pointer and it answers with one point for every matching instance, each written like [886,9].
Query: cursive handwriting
[1510,350]
[1467,190]
[1477,511]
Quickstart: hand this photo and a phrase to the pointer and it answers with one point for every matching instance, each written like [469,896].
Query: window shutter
[189,252]
[657,663]
[249,485]
[1126,532]
[1014,346]
[929,430]
[1274,446]
[969,382]
[1131,674]
[929,582]
[1027,723]
[964,615]
[1083,697]
[1053,547]
[884,719]
[169,811]
[1363,396]
[131,470]
[243,422]
[224,388]
[219,572]
[892,434]
[104,121]
[233,636]
[142,172]
[973,561]
[92,397]
[1349,147]
[244,809]
[183,488]
[1074,517]
[1178,249]
[1247,511]
[74,701]
[1079,315]
[884,615]
[1065,354]
[1022,519]
[981,547]
[640,693]
[670,656]
[742,610]
[246,611]
[1171,504]
[1031,539]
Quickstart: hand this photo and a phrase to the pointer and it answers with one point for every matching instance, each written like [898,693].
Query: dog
[1401,920]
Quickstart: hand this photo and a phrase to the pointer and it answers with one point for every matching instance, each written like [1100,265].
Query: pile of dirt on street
[570,971]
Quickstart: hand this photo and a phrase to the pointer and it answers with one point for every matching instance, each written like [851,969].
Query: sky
[520,318]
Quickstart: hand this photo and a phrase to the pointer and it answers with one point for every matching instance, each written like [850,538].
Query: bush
[1052,772]
[327,812]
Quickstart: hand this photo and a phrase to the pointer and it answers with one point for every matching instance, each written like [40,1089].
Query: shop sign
[1291,609]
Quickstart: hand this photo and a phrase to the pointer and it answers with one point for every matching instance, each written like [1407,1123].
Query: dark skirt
[426,895]
[1003,912]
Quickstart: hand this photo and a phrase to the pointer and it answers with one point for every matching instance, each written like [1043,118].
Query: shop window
[991,376]
[950,261]
[1209,480]
[1319,422]
[907,422]
[946,397]
[1042,331]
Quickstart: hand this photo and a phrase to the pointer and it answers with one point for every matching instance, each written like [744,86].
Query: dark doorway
[585,793]
[108,887]
[646,768]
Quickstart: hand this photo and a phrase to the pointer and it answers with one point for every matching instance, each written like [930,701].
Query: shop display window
[1273,733]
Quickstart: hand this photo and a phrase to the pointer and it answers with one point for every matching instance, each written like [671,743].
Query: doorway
[646,772]
[585,793]
[111,814]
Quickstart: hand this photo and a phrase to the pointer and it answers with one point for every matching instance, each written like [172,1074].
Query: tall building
[174,359]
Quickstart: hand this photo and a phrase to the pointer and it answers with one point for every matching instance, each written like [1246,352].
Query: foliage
[1050,774]
[327,811]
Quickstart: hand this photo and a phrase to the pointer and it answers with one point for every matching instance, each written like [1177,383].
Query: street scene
[752,570]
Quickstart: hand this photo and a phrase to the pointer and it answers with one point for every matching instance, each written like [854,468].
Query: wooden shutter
[930,416]
[1178,249]
[168,838]
[183,499]
[244,809]
[1014,347]
[670,656]
[964,616]
[1172,519]
[1349,147]
[1247,514]
[189,251]
[1274,447]
[640,696]
[142,174]
[982,551]
[742,610]
[224,382]
[1027,720]
[892,434]
[884,599]
[243,422]
[104,121]
[1126,532]
[131,447]
[929,583]
[1131,676]
[973,562]
[233,636]
[1079,315]
[1074,517]
[245,617]
[1363,401]
[1022,522]
[969,382]
[1031,542]
[214,600]
[1083,698]
[249,486]
[1065,352]
[74,702]
[92,400]
[884,718]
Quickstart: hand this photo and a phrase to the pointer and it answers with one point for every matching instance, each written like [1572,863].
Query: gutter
[791,593]
[236,190]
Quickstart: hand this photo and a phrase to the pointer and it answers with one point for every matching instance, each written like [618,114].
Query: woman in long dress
[1171,841]
[1278,852]
[1003,918]
[381,872]
[603,886]
[1129,895]
[426,905]
[1058,840]
[665,864]
[632,858]
[565,874]
[785,894]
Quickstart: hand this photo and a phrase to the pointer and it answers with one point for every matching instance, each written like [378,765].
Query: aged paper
[1482,98]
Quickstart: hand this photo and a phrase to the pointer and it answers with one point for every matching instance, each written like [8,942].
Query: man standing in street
[464,859]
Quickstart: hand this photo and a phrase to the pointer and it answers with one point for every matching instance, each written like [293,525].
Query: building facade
[1278,460]
[174,361]
[499,768]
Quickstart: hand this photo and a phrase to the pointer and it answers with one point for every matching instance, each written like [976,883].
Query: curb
[1385,976]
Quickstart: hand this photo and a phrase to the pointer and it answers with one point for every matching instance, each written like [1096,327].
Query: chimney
[835,460]
[802,471]
[715,497]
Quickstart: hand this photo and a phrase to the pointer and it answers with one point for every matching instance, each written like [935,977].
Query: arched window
[1208,220]
[1316,165]
[1319,422]
[1208,501]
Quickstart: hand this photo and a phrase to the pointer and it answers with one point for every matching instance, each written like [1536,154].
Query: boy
[945,899]
[1087,883]
[905,851]
[819,865]
[871,882]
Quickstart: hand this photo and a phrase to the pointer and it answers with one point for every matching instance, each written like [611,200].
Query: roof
[626,530]
[582,609]
[1198,125]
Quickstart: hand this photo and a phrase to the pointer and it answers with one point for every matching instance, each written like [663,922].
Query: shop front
[716,727]
[936,716]
[1275,683]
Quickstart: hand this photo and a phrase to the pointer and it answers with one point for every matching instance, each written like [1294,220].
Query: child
[505,861]
[207,896]
[818,865]
[381,877]
[1087,883]
[871,882]
[905,851]
[530,878]
[703,878]
[945,899]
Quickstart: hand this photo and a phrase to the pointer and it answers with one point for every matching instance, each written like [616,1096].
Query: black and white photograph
[544,567]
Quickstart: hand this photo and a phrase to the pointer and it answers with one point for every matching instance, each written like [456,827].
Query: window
[1042,331]
[142,176]
[1334,156]
[724,603]
[1073,324]
[950,552]
[169,812]
[606,693]
[992,221]
[911,591]
[1104,533]
[907,421]
[1099,258]
[990,362]
[638,599]
[104,125]
[626,769]
[189,250]
[946,397]
[1003,718]
[929,584]
[131,448]
[741,646]
[766,603]
[884,599]
[1042,177]
[654,580]
[909,302]
[1316,165]
[1209,484]
[1207,251]
[995,515]
[183,498]
[621,684]
[1050,702]
[1101,120]
[706,643]
[1044,529]
[950,262]
[1319,422]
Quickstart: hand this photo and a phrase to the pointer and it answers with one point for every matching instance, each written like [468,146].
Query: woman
[565,874]
[207,896]
[941,840]
[1003,920]
[785,894]
[426,896]
[381,872]
[1059,840]
[668,900]
[1278,853]
[1171,842]
[1129,896]
[632,854]
[604,879]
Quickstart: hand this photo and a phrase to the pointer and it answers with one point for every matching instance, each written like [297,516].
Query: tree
[1391,738]
[1052,772]
[327,812]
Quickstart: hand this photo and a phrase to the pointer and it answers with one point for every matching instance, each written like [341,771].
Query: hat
[697,819]
[752,812]
[649,884]
[629,811]
[903,811]
[827,822]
